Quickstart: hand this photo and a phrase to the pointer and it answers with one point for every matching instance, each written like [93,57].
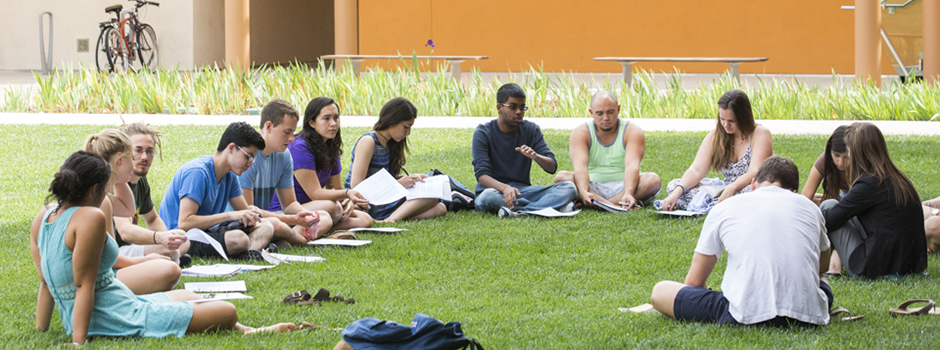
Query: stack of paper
[216,287]
[342,242]
[679,213]
[432,187]
[551,213]
[378,229]
[381,188]
[221,269]
[285,257]
[206,297]
[609,207]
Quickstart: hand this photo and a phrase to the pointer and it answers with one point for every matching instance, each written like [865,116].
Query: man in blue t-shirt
[273,173]
[201,189]
[503,151]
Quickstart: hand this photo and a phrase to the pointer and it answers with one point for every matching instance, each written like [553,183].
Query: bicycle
[125,43]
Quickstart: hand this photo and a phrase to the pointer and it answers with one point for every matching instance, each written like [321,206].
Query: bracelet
[347,193]
[154,237]
[684,190]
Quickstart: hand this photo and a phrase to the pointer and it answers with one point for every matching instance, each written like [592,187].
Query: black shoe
[185,260]
[251,255]
[272,248]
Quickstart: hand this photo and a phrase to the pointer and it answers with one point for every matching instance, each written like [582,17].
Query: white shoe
[505,212]
[567,208]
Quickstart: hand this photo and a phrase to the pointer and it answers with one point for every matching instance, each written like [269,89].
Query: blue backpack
[425,333]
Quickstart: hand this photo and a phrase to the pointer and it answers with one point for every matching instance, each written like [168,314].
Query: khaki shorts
[132,251]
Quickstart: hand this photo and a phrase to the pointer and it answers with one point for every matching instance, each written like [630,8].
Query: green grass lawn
[513,283]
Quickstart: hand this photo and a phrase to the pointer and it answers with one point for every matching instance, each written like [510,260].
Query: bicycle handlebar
[141,3]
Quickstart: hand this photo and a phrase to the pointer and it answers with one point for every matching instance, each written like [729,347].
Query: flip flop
[298,298]
[834,315]
[903,310]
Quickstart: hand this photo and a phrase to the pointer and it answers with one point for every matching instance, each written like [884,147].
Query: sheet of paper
[551,213]
[679,213]
[378,229]
[342,242]
[216,287]
[300,258]
[432,187]
[608,207]
[207,297]
[198,235]
[638,308]
[381,188]
[211,270]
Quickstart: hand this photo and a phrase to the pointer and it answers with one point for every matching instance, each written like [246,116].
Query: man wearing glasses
[503,151]
[201,189]
[606,155]
[136,241]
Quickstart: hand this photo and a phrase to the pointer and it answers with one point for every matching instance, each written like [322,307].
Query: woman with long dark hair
[829,169]
[736,148]
[75,256]
[877,227]
[317,184]
[384,148]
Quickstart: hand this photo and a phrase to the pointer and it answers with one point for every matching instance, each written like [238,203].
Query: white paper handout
[679,213]
[343,242]
[211,270]
[609,207]
[207,297]
[381,188]
[551,213]
[198,235]
[432,187]
[300,258]
[216,287]
[377,229]
[638,309]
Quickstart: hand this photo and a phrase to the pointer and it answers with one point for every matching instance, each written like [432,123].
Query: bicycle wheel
[147,47]
[117,51]
[102,56]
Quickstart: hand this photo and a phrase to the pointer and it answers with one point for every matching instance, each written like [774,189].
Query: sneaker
[251,255]
[567,208]
[185,261]
[505,212]
[272,248]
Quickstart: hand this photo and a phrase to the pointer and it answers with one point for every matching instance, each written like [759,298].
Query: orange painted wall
[799,36]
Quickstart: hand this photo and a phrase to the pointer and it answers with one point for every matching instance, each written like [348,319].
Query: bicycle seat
[114,8]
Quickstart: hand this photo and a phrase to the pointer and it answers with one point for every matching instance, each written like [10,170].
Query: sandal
[834,315]
[902,310]
[298,298]
[323,295]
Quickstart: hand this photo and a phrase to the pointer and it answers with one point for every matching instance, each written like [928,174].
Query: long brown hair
[868,155]
[397,110]
[723,146]
[832,177]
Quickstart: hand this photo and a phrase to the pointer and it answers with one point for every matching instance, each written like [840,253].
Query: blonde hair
[139,128]
[108,143]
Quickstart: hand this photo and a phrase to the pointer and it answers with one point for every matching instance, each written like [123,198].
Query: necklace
[383,137]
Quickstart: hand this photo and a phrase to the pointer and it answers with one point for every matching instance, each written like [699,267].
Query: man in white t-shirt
[776,243]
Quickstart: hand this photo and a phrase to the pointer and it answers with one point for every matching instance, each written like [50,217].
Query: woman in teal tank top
[74,256]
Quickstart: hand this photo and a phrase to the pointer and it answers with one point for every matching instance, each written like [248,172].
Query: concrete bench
[453,61]
[627,63]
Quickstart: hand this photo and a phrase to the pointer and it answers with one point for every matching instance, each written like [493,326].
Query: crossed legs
[219,315]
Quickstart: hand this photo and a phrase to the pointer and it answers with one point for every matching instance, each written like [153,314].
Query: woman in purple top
[317,167]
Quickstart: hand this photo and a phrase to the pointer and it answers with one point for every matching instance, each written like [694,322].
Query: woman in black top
[877,228]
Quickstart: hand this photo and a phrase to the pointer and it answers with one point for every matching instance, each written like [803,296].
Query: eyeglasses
[251,158]
[138,152]
[515,107]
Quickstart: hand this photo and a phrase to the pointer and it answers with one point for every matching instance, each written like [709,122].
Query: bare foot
[386,221]
[279,328]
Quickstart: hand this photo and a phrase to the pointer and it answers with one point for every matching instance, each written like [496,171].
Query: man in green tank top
[606,154]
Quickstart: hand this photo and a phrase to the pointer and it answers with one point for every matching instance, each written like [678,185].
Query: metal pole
[46,60]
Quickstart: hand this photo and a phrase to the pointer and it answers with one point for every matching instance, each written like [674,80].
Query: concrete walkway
[787,127]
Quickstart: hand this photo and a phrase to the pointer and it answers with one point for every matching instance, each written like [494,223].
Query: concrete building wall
[73,20]
[286,30]
[208,33]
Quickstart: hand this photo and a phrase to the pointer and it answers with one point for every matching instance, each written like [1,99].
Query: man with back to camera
[503,151]
[777,251]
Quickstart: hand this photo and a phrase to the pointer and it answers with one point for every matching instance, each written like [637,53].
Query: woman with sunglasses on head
[877,226]
[736,148]
[384,148]
[75,256]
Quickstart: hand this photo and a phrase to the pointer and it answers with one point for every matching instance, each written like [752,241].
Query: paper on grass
[207,297]
[638,309]
[378,229]
[609,207]
[433,187]
[301,258]
[216,287]
[198,235]
[551,213]
[211,270]
[342,242]
[381,188]
[679,213]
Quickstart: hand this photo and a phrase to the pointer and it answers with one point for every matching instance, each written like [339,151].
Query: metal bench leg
[353,63]
[454,68]
[735,73]
[628,72]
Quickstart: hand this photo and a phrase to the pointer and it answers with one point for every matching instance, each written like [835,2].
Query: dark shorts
[703,305]
[382,212]
[218,233]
